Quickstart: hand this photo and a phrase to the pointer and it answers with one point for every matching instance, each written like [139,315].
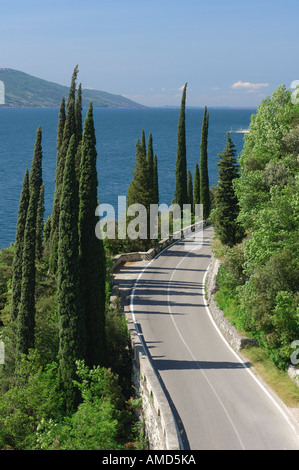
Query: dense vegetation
[67,378]
[259,277]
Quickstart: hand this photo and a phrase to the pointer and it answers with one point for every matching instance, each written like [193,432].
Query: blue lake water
[117,131]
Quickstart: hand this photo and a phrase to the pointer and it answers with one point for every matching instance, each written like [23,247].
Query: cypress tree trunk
[26,317]
[19,246]
[91,250]
[204,176]
[71,325]
[226,202]
[180,196]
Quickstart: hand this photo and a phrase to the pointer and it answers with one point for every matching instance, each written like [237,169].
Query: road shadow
[165,364]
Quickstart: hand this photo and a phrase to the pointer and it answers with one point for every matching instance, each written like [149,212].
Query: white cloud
[248,86]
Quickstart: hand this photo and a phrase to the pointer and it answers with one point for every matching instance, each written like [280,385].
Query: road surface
[216,400]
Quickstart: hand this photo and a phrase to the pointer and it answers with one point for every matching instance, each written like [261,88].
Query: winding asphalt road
[216,399]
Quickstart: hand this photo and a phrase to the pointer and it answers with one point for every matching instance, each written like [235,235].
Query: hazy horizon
[230,53]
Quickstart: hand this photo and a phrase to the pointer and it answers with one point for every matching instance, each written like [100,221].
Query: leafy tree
[264,153]
[91,249]
[71,324]
[33,397]
[204,175]
[226,203]
[19,247]
[180,196]
[100,422]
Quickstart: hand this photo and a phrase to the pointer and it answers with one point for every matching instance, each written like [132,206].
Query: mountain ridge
[25,90]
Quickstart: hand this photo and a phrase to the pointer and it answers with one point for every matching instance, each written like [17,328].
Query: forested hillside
[24,90]
[259,276]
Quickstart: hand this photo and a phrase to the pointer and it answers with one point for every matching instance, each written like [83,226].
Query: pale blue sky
[231,53]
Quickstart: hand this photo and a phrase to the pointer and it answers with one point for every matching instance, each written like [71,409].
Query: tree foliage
[180,195]
[263,300]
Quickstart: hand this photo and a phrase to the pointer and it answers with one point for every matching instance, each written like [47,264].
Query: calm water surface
[116,131]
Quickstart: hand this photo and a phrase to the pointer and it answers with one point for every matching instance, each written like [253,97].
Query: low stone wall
[236,340]
[160,427]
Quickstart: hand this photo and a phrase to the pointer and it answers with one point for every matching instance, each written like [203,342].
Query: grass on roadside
[278,380]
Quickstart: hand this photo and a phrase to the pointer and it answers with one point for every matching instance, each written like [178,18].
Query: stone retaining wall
[236,340]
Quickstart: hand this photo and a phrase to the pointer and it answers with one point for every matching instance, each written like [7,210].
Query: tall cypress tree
[18,248]
[26,316]
[204,175]
[69,128]
[71,325]
[180,195]
[140,191]
[91,250]
[196,187]
[226,202]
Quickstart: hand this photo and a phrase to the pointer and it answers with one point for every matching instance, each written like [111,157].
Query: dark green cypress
[226,203]
[180,195]
[26,316]
[71,326]
[140,192]
[78,114]
[196,187]
[69,128]
[61,122]
[40,224]
[36,178]
[18,248]
[91,250]
[204,175]
[190,191]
